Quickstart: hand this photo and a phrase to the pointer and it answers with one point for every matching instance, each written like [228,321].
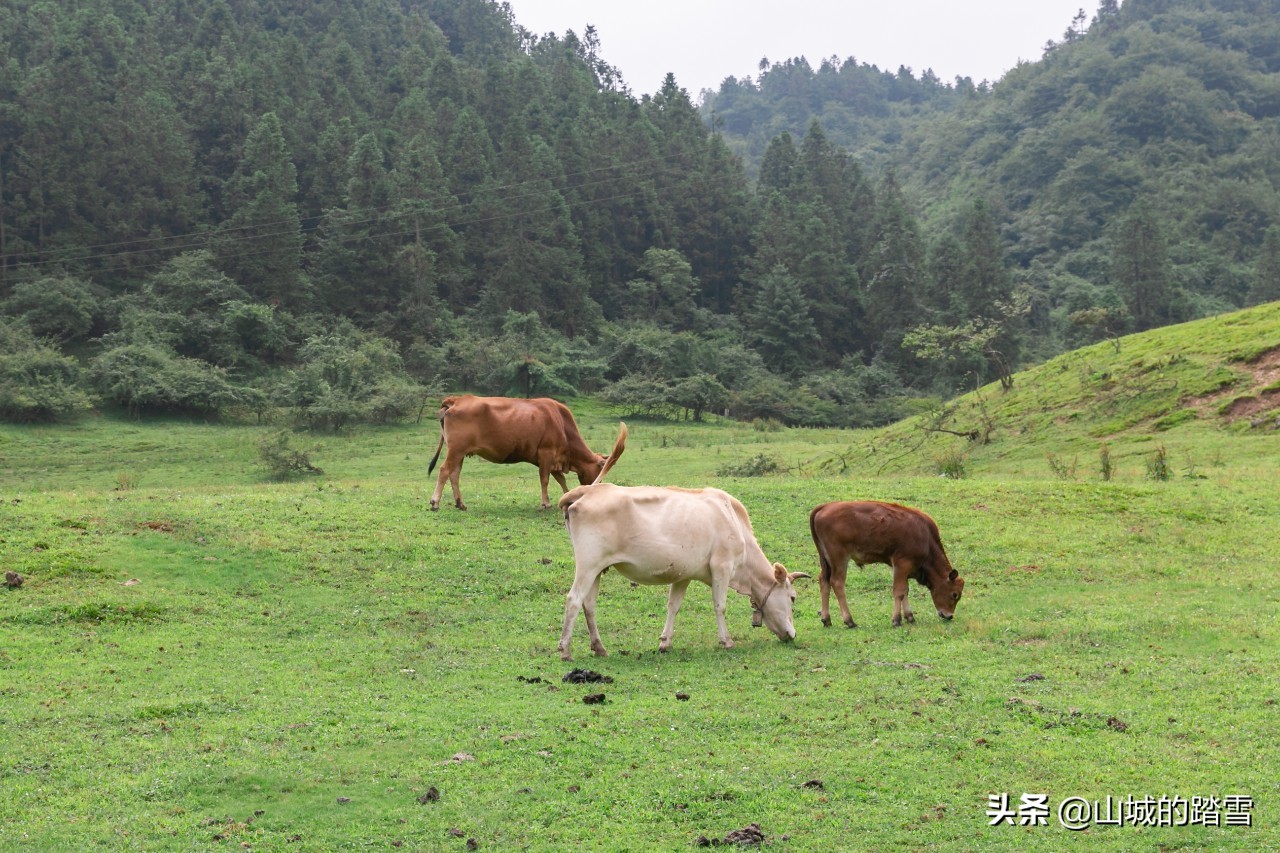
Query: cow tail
[444,407]
[822,553]
[618,447]
[434,459]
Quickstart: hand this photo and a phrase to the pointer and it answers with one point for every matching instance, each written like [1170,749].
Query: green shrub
[1158,465]
[1060,468]
[61,307]
[347,377]
[952,464]
[150,377]
[37,383]
[757,466]
[282,459]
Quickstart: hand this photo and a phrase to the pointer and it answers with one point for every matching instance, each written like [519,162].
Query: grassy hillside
[200,657]
[1207,391]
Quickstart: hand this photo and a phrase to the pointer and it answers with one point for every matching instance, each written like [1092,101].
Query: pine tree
[780,324]
[984,282]
[1140,268]
[260,245]
[1266,280]
[779,166]
[893,275]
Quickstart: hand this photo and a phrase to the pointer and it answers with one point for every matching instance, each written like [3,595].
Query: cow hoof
[461,506]
[728,644]
[599,651]
[435,507]
[897,621]
[565,655]
[826,621]
[911,617]
[849,623]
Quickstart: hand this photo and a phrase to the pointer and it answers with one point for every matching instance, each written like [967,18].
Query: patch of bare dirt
[749,836]
[1250,400]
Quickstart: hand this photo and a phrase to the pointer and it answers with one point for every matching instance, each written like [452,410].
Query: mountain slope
[1207,389]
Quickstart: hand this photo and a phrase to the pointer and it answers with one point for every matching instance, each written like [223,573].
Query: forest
[340,210]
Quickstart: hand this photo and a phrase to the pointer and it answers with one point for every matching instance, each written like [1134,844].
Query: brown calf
[877,532]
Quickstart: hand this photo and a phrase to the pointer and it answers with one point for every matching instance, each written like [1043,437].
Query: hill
[1207,391]
[208,207]
[1159,111]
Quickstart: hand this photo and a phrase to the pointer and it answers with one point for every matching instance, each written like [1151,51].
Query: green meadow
[202,658]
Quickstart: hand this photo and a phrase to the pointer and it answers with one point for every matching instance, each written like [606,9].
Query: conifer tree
[260,245]
[780,324]
[1140,268]
[1266,277]
[893,274]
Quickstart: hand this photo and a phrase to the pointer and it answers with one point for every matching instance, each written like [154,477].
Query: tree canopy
[203,203]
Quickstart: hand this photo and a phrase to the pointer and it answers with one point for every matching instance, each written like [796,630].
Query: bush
[37,383]
[952,464]
[282,458]
[757,466]
[61,308]
[345,378]
[1158,465]
[150,377]
[640,396]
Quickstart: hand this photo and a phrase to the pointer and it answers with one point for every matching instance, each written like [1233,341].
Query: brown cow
[505,430]
[877,532]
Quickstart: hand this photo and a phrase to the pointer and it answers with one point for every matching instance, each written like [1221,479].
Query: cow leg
[450,470]
[719,594]
[824,585]
[901,575]
[564,487]
[834,580]
[674,600]
[584,580]
[589,611]
[838,577]
[543,476]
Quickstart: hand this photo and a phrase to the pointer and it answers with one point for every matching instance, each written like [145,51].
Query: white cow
[671,536]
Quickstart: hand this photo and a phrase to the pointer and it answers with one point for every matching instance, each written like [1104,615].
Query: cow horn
[795,576]
[618,447]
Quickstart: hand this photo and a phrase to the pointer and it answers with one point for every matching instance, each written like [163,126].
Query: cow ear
[954,574]
[779,572]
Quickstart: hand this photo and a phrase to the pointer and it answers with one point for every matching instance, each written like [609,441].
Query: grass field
[203,659]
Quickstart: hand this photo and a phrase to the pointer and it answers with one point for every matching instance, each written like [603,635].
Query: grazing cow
[505,430]
[876,532]
[671,536]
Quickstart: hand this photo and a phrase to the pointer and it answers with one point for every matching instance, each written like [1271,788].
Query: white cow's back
[656,535]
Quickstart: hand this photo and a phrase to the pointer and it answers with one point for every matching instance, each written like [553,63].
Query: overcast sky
[704,41]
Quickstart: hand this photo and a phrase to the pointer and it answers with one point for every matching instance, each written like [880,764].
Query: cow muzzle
[947,616]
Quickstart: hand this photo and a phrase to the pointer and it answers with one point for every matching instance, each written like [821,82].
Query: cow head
[775,604]
[592,472]
[946,593]
[589,472]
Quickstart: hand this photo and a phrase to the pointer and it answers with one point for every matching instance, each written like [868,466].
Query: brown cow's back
[874,531]
[502,429]
[507,430]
